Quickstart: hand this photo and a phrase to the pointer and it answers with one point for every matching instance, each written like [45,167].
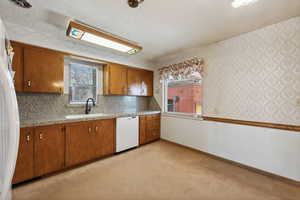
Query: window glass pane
[184,97]
[83,83]
[81,75]
[81,94]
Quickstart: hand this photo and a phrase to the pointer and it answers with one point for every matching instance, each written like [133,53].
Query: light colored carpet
[159,171]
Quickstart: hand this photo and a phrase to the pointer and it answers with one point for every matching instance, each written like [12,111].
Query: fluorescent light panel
[239,3]
[87,35]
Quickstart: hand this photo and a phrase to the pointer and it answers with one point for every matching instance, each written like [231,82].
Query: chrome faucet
[88,107]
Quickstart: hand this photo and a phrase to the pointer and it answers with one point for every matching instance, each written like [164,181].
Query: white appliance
[9,118]
[127,133]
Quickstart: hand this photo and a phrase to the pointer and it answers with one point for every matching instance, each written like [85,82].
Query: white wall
[271,150]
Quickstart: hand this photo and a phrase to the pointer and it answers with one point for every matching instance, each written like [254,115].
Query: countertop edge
[48,122]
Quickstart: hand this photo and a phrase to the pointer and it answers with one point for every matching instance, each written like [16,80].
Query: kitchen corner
[73,110]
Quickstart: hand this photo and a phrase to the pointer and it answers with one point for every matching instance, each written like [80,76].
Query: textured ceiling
[161,27]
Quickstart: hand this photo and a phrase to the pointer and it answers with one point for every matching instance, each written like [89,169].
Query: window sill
[182,116]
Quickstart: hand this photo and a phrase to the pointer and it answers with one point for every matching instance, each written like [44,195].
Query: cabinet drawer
[153,134]
[150,117]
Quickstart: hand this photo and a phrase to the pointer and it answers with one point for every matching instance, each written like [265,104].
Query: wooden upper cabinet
[140,82]
[17,65]
[123,80]
[115,79]
[134,81]
[49,151]
[147,83]
[25,161]
[43,70]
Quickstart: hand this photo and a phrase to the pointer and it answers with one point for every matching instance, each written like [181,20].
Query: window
[183,97]
[83,83]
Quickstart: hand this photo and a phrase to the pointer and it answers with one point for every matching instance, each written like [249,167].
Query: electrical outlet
[216,111]
[298,102]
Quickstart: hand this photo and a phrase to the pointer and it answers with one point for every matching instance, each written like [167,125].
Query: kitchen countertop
[51,120]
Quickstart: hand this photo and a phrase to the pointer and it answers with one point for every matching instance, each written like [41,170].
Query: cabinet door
[143,130]
[17,65]
[134,81]
[115,82]
[147,83]
[104,137]
[25,165]
[78,144]
[49,152]
[108,133]
[153,133]
[153,127]
[43,71]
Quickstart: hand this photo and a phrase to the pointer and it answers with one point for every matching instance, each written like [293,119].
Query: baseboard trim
[259,171]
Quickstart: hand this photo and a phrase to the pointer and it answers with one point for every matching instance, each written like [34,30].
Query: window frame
[86,64]
[165,99]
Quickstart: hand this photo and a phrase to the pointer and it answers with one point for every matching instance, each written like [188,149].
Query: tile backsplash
[38,106]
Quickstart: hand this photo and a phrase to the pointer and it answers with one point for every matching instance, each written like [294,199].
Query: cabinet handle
[90,129]
[41,136]
[28,138]
[96,129]
[29,83]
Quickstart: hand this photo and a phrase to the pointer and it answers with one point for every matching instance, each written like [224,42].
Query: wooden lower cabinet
[46,149]
[49,151]
[143,130]
[78,143]
[149,128]
[25,161]
[89,140]
[104,137]
[41,151]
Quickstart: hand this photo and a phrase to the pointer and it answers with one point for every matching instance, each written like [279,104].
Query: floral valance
[189,69]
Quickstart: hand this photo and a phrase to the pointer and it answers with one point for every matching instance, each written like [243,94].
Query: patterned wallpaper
[254,76]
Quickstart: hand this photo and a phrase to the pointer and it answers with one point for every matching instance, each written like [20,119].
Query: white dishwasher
[127,133]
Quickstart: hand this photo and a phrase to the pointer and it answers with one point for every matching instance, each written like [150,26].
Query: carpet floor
[158,171]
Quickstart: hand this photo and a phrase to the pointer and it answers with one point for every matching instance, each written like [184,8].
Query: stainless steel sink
[83,116]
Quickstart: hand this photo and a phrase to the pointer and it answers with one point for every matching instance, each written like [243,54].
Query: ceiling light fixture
[22,3]
[134,3]
[86,33]
[239,3]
